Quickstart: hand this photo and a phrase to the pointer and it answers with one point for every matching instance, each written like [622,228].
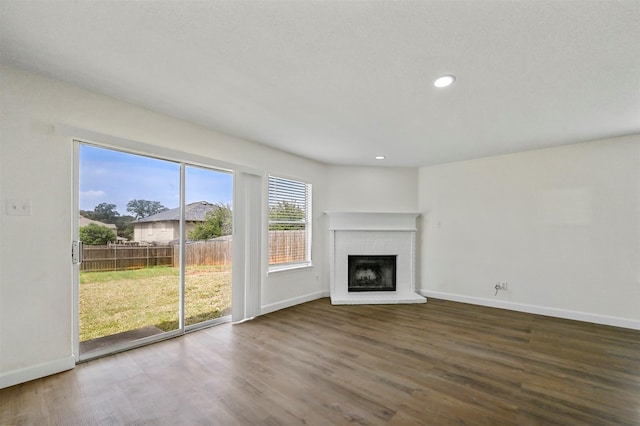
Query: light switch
[18,207]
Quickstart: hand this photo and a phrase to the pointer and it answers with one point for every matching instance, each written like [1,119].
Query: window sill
[285,268]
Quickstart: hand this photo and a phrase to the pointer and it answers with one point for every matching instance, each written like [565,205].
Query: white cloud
[92,194]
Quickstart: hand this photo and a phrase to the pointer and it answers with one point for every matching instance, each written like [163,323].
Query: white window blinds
[289,222]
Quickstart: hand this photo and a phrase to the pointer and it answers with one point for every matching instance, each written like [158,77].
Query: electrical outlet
[500,285]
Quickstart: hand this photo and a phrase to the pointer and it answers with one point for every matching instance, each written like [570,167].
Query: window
[289,223]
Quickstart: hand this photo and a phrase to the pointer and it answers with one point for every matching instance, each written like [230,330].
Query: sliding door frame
[247,274]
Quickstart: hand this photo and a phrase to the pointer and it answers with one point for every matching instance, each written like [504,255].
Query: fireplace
[372,273]
[372,258]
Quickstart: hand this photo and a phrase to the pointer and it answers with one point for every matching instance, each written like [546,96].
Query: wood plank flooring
[437,363]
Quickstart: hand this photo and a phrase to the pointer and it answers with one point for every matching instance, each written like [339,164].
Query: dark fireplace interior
[372,273]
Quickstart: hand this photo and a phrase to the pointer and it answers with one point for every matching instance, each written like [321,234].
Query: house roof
[83,221]
[193,212]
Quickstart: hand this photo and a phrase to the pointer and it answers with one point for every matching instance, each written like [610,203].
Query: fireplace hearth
[372,273]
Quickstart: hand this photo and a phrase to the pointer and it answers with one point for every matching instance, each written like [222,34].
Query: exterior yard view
[133,244]
[131,289]
[113,302]
[126,288]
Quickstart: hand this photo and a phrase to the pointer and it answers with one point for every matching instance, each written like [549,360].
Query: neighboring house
[86,221]
[164,227]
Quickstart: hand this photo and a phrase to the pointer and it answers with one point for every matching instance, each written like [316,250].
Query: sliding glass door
[156,248]
[208,246]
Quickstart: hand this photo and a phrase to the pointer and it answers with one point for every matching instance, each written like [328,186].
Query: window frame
[308,227]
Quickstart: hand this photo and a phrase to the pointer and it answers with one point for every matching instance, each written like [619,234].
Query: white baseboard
[294,301]
[534,309]
[33,372]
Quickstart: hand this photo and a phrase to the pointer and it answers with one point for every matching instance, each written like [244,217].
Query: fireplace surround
[372,235]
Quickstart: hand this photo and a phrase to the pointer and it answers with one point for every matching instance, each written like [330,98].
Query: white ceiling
[344,81]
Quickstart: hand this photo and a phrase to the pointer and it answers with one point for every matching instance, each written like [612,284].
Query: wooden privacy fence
[285,247]
[212,252]
[117,258]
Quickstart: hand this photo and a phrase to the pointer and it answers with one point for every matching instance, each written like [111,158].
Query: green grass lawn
[117,301]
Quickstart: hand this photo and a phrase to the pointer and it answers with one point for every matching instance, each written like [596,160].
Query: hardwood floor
[437,363]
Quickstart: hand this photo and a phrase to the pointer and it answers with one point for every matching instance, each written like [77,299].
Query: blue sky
[113,177]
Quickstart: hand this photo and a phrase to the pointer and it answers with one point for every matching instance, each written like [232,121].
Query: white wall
[372,189]
[36,165]
[561,225]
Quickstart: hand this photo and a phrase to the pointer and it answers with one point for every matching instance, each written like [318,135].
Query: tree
[94,234]
[103,212]
[144,208]
[125,226]
[281,214]
[217,223]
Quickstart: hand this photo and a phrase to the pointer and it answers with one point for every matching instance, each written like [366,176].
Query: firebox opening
[372,273]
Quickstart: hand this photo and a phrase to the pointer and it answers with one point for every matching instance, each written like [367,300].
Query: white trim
[75,268]
[141,148]
[182,266]
[266,309]
[33,372]
[372,221]
[283,267]
[534,309]
[242,321]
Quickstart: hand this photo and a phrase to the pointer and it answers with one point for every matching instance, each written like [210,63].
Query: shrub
[94,234]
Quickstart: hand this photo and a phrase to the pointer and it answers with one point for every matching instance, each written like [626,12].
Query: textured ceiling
[344,81]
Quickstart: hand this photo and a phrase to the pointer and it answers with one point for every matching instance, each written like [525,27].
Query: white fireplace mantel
[369,221]
[373,234]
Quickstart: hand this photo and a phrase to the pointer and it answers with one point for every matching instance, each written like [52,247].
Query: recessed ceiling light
[444,81]
[380,157]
